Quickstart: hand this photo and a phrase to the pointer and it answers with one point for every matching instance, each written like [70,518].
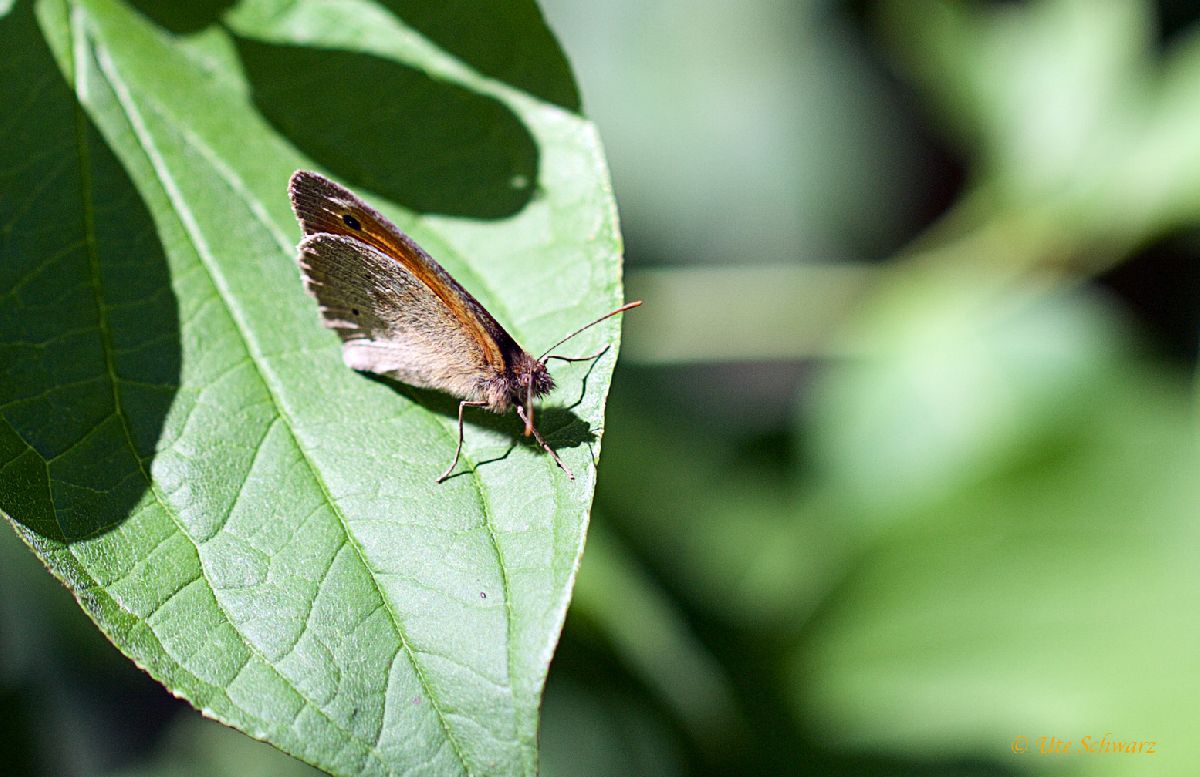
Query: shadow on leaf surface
[89,326]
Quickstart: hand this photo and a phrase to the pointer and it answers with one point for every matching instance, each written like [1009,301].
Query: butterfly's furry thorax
[525,378]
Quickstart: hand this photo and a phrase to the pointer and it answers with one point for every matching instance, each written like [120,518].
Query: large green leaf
[254,524]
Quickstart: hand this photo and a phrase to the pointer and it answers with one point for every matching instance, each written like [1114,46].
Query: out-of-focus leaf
[198,746]
[742,132]
[1043,594]
[730,539]
[1067,108]
[649,634]
[248,520]
[590,730]
[955,372]
[1032,84]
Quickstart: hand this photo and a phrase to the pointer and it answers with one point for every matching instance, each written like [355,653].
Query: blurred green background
[901,458]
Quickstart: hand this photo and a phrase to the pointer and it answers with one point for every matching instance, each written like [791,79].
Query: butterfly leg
[537,435]
[458,449]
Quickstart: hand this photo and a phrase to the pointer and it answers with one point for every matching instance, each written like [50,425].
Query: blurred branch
[743,313]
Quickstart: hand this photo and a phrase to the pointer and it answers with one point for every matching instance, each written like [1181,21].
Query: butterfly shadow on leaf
[378,125]
[562,427]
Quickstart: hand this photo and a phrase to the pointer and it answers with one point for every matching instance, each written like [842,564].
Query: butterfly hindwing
[389,321]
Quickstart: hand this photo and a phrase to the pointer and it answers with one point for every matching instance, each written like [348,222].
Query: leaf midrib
[108,348]
[170,190]
[264,219]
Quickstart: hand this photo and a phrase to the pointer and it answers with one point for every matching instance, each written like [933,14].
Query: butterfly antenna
[622,309]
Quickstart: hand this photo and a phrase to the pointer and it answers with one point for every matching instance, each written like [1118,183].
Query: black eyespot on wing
[354,311]
[351,222]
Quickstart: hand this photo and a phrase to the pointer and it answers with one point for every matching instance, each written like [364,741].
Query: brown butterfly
[401,315]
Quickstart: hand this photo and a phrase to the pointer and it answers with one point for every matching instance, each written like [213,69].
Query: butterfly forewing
[323,207]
